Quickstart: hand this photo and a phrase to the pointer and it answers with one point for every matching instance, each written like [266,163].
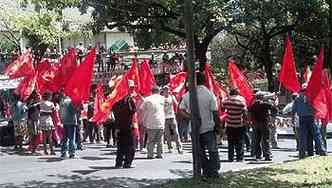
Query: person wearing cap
[171,126]
[124,111]
[153,119]
[260,116]
[210,122]
[46,123]
[308,128]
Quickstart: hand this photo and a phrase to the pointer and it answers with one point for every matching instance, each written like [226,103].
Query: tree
[41,31]
[211,17]
[262,23]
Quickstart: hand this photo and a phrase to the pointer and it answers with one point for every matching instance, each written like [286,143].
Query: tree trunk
[268,64]
[200,52]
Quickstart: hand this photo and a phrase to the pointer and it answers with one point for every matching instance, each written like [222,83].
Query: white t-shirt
[153,114]
[169,110]
[207,104]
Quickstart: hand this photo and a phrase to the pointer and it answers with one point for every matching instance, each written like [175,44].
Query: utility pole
[329,58]
[195,116]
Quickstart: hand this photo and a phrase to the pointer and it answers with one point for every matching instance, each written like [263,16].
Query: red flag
[78,87]
[68,65]
[26,87]
[99,100]
[315,83]
[287,75]
[133,74]
[177,84]
[146,78]
[119,92]
[213,85]
[239,82]
[321,101]
[45,79]
[21,67]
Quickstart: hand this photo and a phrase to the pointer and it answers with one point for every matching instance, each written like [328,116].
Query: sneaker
[53,153]
[180,152]
[150,158]
[159,157]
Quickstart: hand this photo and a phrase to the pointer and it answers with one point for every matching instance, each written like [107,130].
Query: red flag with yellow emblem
[119,92]
[21,67]
[26,87]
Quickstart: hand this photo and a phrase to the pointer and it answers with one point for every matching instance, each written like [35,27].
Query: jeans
[309,131]
[68,139]
[211,164]
[183,129]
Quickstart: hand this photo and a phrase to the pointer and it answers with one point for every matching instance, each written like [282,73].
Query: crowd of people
[136,123]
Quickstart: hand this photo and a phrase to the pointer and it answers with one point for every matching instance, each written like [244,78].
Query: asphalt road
[95,167]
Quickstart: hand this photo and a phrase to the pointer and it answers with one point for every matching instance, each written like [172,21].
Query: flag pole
[195,116]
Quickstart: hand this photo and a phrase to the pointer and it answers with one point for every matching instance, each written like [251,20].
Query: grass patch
[310,172]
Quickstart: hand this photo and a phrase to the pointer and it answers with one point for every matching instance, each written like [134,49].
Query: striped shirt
[235,107]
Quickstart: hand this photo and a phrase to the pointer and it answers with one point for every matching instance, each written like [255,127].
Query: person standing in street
[171,125]
[46,123]
[70,122]
[308,128]
[260,116]
[153,117]
[33,122]
[124,111]
[235,107]
[210,122]
[19,110]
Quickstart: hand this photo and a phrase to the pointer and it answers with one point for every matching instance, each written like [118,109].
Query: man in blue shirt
[308,129]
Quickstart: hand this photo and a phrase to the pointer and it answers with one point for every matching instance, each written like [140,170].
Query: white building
[105,38]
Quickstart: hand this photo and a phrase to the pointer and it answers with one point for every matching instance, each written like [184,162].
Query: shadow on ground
[75,181]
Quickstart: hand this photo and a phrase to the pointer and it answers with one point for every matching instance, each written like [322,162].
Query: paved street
[95,167]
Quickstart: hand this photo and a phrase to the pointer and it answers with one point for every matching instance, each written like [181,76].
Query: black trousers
[210,158]
[126,149]
[235,137]
[109,130]
[262,134]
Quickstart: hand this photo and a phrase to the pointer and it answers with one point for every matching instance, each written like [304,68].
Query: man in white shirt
[210,121]
[153,117]
[171,126]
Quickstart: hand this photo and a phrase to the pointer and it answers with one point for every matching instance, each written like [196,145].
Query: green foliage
[40,29]
[311,172]
[148,38]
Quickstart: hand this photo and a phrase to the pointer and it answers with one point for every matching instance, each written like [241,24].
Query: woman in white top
[46,123]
